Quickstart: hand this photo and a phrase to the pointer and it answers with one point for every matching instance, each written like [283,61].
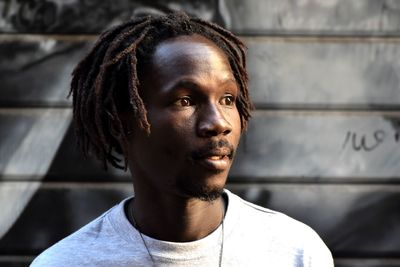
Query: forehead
[186,45]
[193,57]
[189,54]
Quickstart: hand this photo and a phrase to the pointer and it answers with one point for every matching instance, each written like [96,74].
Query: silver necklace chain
[221,250]
[130,211]
[141,235]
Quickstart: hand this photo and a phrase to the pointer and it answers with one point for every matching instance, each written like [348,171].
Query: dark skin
[190,94]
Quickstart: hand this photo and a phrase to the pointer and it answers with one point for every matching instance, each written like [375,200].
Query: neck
[176,219]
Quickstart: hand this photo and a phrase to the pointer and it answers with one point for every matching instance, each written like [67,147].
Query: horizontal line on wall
[34,104]
[329,107]
[316,181]
[117,185]
[362,35]
[326,112]
[366,259]
[41,36]
[292,108]
[12,259]
[387,258]
[122,184]
[266,36]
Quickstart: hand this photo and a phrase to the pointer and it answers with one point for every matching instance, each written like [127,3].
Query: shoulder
[84,245]
[280,233]
[264,217]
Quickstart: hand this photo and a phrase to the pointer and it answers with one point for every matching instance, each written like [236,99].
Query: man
[170,94]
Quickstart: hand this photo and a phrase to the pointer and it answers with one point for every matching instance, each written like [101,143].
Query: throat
[196,221]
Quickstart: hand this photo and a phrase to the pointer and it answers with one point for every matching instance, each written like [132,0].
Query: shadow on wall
[371,228]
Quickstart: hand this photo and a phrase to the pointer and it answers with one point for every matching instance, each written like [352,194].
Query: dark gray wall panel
[54,211]
[54,16]
[324,73]
[30,139]
[15,261]
[36,70]
[39,144]
[69,164]
[254,16]
[335,17]
[357,219]
[367,262]
[278,146]
[284,73]
[341,146]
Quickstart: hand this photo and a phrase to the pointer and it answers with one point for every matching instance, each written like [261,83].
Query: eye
[184,102]
[228,100]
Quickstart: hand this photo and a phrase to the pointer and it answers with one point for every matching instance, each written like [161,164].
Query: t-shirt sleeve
[49,258]
[316,253]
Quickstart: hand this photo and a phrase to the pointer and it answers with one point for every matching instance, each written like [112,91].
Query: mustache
[220,147]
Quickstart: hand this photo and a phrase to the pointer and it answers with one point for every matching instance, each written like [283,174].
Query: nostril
[212,122]
[227,131]
[208,132]
[214,129]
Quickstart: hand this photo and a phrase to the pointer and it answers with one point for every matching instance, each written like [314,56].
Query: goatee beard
[202,192]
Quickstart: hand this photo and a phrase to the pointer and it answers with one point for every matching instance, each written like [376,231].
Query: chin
[208,194]
[200,190]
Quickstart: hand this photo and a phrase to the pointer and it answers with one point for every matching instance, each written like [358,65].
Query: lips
[215,155]
[215,160]
[216,163]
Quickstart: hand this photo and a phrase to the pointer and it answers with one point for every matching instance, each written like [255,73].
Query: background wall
[323,145]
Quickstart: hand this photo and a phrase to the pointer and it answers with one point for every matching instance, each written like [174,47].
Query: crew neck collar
[173,250]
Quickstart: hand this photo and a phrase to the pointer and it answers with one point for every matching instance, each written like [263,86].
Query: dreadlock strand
[116,128]
[134,99]
[98,93]
[99,86]
[242,99]
[120,38]
[120,135]
[129,49]
[110,34]
[85,108]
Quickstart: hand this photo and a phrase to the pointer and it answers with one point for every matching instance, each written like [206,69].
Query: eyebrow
[192,84]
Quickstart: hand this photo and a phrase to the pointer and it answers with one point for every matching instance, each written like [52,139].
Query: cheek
[171,133]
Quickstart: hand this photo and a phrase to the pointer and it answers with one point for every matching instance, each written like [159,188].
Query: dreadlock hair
[106,82]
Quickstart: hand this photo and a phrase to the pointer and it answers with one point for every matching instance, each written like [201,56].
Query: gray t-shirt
[253,236]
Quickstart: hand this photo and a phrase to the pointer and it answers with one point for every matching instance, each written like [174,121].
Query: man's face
[190,94]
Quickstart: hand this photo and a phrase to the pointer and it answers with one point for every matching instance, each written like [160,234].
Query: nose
[212,122]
